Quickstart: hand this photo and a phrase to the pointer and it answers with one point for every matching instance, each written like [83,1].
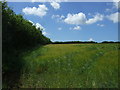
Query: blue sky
[68,21]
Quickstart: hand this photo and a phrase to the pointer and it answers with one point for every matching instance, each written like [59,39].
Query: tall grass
[71,66]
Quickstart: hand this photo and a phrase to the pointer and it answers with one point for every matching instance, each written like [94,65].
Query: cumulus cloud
[40,11]
[96,18]
[101,25]
[80,18]
[76,19]
[62,17]
[75,28]
[114,17]
[90,39]
[55,5]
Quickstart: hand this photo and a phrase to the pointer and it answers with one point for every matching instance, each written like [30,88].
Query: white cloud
[80,18]
[37,25]
[101,25]
[59,28]
[114,17]
[62,17]
[96,18]
[40,11]
[31,22]
[44,33]
[58,17]
[77,28]
[55,5]
[76,19]
[90,39]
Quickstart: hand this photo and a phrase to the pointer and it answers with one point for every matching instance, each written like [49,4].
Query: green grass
[71,66]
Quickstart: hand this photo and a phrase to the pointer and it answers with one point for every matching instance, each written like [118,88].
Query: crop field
[71,66]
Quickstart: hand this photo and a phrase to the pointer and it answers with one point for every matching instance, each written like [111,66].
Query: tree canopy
[18,32]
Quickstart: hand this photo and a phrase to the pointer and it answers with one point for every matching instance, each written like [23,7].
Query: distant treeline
[110,42]
[80,42]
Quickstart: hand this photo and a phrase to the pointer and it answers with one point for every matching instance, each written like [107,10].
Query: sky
[72,21]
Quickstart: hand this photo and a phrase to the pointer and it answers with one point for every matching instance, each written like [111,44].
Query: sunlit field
[71,66]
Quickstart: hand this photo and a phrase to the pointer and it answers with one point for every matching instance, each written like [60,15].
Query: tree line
[83,42]
[18,32]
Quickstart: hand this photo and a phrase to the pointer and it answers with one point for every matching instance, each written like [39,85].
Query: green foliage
[19,33]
